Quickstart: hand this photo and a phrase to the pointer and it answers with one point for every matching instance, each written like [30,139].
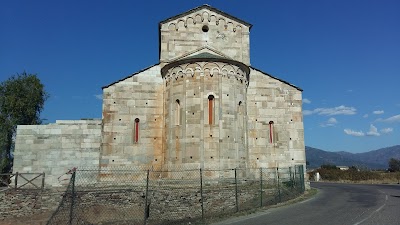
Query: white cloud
[99,96]
[386,130]
[332,120]
[307,112]
[373,131]
[339,110]
[378,112]
[330,123]
[306,101]
[365,116]
[354,133]
[392,119]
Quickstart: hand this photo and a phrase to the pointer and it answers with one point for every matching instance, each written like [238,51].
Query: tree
[22,99]
[394,165]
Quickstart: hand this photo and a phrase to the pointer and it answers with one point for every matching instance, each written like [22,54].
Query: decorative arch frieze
[202,68]
[205,17]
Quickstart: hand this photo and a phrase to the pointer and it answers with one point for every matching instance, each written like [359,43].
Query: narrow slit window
[136,129]
[177,112]
[210,109]
[271,132]
[240,113]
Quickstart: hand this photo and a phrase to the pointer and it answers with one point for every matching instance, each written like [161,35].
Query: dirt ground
[37,219]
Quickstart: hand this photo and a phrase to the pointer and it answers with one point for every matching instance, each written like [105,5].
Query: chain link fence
[172,195]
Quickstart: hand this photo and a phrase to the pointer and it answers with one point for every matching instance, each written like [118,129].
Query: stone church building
[202,105]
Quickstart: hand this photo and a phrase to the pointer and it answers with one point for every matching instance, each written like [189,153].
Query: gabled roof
[205,6]
[204,55]
[292,85]
[213,53]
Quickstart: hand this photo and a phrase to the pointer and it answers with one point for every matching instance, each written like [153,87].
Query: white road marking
[379,209]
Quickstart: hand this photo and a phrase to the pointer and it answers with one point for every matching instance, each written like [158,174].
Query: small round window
[204,28]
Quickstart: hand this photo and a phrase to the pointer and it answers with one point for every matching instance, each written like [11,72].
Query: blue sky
[345,54]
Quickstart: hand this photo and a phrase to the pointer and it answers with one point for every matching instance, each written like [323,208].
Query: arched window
[136,130]
[177,112]
[240,108]
[240,113]
[210,109]
[271,131]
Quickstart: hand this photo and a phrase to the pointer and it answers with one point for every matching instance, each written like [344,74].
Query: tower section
[204,27]
[205,112]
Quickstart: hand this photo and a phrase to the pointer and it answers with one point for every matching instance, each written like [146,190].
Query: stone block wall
[269,99]
[139,96]
[56,148]
[167,205]
[184,35]
[212,136]
[22,203]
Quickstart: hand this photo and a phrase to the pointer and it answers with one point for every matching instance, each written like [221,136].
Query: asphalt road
[335,204]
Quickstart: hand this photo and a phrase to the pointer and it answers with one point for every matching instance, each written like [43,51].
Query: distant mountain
[377,159]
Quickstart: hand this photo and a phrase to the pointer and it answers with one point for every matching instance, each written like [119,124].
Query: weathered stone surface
[19,203]
[201,106]
[57,148]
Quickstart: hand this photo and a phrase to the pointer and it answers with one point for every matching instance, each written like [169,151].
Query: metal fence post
[43,180]
[303,185]
[279,186]
[295,183]
[146,209]
[16,180]
[201,194]
[301,178]
[71,209]
[261,187]
[236,192]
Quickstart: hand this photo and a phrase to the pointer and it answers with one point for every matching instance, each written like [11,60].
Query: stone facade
[56,148]
[136,97]
[201,106]
[204,27]
[205,131]
[271,99]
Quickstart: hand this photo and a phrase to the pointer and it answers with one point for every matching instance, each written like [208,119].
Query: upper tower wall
[204,27]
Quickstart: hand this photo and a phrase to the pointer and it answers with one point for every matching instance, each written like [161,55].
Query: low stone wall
[20,203]
[165,205]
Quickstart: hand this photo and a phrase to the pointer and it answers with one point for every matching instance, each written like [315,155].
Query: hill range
[376,159]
